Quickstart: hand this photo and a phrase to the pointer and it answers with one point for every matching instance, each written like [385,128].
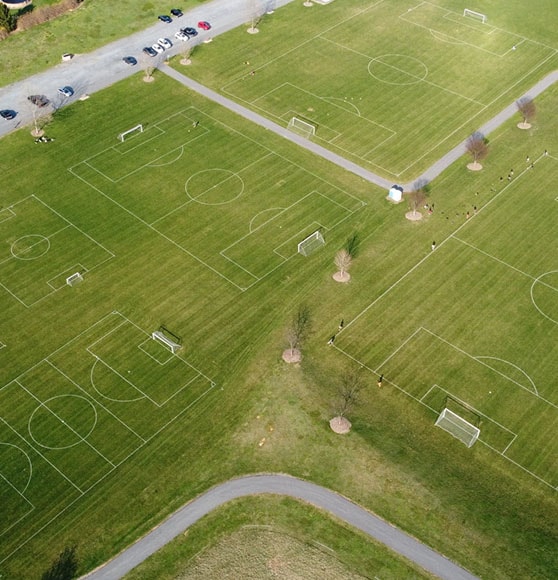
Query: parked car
[189,31]
[130,60]
[204,25]
[181,35]
[176,12]
[157,48]
[165,42]
[165,18]
[66,91]
[149,51]
[7,114]
[39,100]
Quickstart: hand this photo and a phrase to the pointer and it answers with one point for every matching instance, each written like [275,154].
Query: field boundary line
[465,353]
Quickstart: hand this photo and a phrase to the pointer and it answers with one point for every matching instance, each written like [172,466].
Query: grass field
[103,431]
[350,68]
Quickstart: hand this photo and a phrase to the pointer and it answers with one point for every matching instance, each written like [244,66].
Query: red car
[204,25]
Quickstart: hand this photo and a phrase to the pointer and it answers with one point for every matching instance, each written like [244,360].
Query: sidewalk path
[311,493]
[432,172]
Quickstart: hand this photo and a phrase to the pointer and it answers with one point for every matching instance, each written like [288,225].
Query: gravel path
[311,493]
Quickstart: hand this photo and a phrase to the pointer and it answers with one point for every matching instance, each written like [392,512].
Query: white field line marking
[29,443]
[54,414]
[515,367]
[461,351]
[402,390]
[106,409]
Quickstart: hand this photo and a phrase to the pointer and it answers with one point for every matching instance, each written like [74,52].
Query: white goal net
[475,15]
[301,127]
[311,243]
[166,341]
[74,279]
[458,427]
[122,136]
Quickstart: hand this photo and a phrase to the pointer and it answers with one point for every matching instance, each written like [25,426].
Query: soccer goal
[122,136]
[311,243]
[166,341]
[458,427]
[304,128]
[475,15]
[74,279]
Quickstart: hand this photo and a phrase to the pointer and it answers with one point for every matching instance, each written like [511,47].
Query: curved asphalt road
[91,72]
[316,495]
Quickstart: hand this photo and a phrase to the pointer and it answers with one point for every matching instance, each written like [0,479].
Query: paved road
[91,72]
[314,494]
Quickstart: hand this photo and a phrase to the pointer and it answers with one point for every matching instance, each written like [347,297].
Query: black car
[165,18]
[176,12]
[148,50]
[189,31]
[7,114]
[39,100]
[130,60]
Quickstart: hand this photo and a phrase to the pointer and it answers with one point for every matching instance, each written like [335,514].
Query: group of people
[43,139]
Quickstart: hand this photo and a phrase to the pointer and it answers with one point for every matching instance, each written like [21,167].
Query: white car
[181,36]
[165,42]
[157,48]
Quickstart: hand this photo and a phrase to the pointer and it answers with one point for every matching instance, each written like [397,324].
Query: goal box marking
[458,427]
[473,14]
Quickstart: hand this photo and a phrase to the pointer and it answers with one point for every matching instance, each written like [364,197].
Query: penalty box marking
[141,347]
[69,225]
[276,217]
[200,131]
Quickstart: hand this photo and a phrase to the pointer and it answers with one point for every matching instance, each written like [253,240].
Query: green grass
[264,536]
[350,67]
[92,25]
[131,218]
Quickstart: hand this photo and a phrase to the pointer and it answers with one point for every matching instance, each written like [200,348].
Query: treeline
[31,16]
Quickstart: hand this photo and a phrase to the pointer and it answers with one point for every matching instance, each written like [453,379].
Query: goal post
[302,127]
[475,15]
[458,427]
[122,136]
[311,243]
[166,341]
[74,279]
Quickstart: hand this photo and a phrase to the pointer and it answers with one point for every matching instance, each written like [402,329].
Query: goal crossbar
[138,127]
[473,14]
[311,243]
[301,126]
[458,427]
[170,344]
[74,279]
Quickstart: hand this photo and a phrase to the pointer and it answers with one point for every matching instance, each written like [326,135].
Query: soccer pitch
[446,73]
[191,228]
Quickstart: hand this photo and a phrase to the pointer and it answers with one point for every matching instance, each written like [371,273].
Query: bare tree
[527,110]
[348,395]
[186,52]
[417,197]
[296,333]
[343,261]
[257,10]
[148,65]
[477,146]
